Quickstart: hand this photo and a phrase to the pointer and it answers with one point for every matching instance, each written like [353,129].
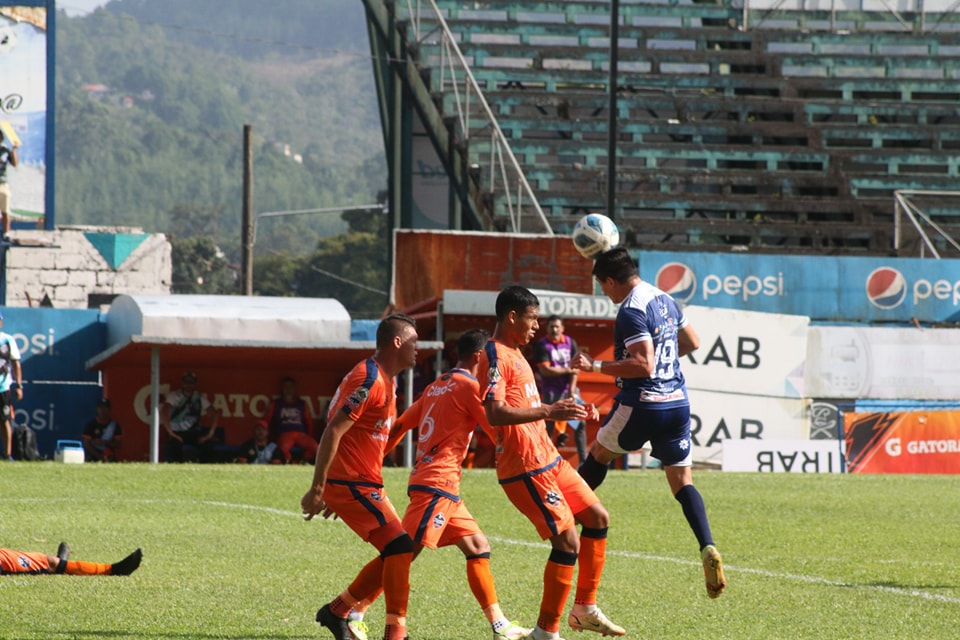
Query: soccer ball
[595,233]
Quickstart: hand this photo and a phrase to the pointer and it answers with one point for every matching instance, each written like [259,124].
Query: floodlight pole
[612,109]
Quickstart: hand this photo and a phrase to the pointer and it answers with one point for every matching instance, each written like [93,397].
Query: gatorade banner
[903,442]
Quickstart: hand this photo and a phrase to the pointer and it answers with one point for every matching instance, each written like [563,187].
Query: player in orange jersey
[35,563]
[347,480]
[536,478]
[447,413]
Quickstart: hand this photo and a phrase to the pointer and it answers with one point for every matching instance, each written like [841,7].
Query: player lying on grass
[446,415]
[39,563]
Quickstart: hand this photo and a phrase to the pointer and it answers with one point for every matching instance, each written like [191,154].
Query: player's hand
[327,512]
[582,361]
[566,409]
[593,413]
[312,503]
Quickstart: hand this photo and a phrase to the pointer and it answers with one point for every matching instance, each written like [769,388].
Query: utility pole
[247,245]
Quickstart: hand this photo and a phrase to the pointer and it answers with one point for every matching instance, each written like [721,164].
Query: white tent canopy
[227,318]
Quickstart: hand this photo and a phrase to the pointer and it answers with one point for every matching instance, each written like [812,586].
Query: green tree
[199,266]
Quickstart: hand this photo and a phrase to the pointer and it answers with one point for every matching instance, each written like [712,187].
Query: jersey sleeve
[633,326]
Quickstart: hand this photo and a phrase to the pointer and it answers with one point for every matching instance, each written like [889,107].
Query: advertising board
[825,288]
[783,456]
[719,418]
[747,353]
[26,99]
[883,363]
[903,442]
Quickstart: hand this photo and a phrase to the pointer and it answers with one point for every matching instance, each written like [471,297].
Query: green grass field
[227,555]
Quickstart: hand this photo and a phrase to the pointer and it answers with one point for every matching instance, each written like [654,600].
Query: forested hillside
[151,102]
[153,96]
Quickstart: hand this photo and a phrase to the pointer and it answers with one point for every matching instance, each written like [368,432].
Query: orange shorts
[434,520]
[22,562]
[365,508]
[550,497]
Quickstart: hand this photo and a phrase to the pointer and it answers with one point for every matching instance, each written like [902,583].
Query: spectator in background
[8,156]
[558,380]
[259,449]
[181,415]
[11,386]
[291,422]
[102,436]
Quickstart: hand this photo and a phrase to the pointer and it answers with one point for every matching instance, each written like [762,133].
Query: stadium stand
[775,129]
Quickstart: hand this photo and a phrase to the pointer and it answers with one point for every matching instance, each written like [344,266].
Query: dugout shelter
[239,347]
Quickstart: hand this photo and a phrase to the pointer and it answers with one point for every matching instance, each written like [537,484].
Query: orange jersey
[12,561]
[506,376]
[446,414]
[369,397]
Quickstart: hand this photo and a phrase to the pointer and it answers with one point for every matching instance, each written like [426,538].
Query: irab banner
[903,442]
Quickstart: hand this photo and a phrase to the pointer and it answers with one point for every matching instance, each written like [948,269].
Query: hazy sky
[75,7]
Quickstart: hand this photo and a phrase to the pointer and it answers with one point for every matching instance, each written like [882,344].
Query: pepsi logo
[678,280]
[886,288]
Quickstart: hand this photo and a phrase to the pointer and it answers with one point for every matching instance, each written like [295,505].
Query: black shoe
[338,626]
[128,565]
[63,552]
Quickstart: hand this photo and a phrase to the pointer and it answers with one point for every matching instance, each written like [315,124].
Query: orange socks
[557,581]
[81,568]
[480,579]
[593,554]
[396,593]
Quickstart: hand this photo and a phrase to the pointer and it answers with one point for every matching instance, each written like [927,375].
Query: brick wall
[71,264]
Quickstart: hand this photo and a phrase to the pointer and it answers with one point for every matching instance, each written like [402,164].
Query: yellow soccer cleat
[713,571]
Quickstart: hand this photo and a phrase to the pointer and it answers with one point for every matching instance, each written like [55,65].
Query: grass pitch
[227,555]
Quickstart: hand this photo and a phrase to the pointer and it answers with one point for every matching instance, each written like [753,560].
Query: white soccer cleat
[594,621]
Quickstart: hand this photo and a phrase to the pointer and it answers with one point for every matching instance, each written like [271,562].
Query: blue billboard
[59,394]
[825,288]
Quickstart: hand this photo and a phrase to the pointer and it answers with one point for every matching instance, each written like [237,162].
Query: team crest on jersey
[552,498]
[357,397]
[493,375]
[439,521]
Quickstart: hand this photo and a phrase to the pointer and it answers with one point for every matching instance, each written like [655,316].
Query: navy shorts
[667,430]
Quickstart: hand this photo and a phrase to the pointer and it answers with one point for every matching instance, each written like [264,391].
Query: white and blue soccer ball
[595,233]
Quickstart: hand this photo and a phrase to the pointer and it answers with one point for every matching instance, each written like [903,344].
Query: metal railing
[904,205]
[504,175]
[928,15]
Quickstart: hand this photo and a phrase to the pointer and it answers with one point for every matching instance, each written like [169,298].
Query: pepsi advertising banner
[59,393]
[825,288]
